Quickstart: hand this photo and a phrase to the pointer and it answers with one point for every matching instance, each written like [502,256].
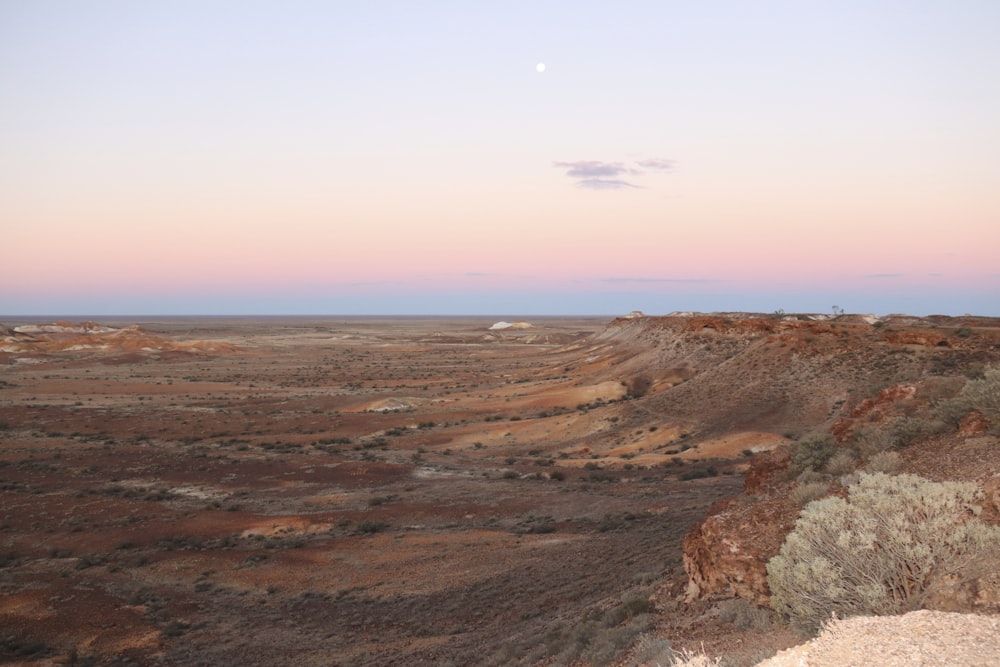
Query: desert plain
[389,491]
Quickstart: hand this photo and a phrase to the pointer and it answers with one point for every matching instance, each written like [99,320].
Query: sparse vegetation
[980,394]
[886,462]
[842,462]
[806,492]
[639,386]
[883,550]
[811,453]
[450,484]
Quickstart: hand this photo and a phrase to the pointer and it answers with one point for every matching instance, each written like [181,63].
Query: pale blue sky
[407,157]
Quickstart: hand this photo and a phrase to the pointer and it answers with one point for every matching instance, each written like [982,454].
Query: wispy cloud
[373,283]
[883,275]
[600,175]
[656,164]
[604,184]
[592,169]
[657,280]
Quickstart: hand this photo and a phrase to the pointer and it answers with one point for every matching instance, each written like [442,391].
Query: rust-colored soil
[393,491]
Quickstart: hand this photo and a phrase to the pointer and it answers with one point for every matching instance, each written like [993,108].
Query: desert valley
[390,491]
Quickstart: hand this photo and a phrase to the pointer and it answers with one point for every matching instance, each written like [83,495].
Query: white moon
[540,67]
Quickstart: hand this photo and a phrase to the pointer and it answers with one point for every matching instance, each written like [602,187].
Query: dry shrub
[639,386]
[744,616]
[888,462]
[687,659]
[908,430]
[937,388]
[812,452]
[982,394]
[895,541]
[841,463]
[805,493]
[651,650]
[872,440]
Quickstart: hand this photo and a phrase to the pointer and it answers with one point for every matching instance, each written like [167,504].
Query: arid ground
[351,491]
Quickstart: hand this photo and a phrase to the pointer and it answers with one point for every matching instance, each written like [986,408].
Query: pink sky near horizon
[167,157]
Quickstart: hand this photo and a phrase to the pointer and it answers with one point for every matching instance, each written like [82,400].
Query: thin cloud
[883,275]
[592,169]
[373,283]
[657,280]
[656,164]
[601,175]
[604,184]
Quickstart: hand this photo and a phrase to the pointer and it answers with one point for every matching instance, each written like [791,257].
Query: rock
[973,423]
[727,552]
[765,469]
[498,326]
[929,638]
[889,402]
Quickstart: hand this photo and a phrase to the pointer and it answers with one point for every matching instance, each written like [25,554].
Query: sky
[226,157]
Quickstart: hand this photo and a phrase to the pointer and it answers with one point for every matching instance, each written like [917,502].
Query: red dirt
[330,491]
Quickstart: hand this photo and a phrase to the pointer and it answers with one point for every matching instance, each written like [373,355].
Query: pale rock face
[511,325]
[931,638]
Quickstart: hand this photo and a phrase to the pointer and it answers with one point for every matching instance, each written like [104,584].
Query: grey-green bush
[811,452]
[807,492]
[893,542]
[908,430]
[982,394]
[888,462]
[872,440]
[842,462]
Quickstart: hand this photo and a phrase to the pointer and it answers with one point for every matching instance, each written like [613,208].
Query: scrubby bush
[805,493]
[688,659]
[812,452]
[888,462]
[872,440]
[893,542]
[639,386]
[744,616]
[841,463]
[651,650]
[982,394]
[908,430]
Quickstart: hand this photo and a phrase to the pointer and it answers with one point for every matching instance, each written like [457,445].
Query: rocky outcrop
[973,423]
[766,469]
[727,553]
[918,337]
[889,402]
[90,338]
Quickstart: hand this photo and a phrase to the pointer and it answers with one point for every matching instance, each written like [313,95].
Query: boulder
[726,553]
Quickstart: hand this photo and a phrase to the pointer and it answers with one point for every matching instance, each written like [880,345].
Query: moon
[540,67]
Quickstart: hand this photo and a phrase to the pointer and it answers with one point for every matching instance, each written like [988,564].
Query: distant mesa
[66,328]
[31,343]
[511,325]
[635,314]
